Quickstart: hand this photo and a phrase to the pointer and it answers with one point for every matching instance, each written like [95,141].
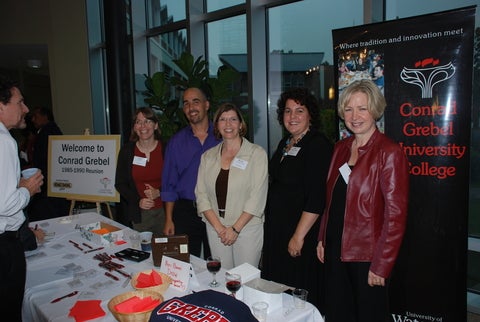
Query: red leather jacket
[376,205]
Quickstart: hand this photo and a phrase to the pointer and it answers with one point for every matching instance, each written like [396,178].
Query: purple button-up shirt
[180,167]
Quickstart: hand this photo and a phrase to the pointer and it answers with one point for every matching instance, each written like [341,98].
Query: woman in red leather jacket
[364,219]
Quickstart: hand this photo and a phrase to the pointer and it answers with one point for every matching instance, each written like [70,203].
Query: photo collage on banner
[423,65]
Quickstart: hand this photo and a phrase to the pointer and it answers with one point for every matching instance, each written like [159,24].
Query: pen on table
[122,272]
[111,276]
[93,250]
[58,299]
[72,242]
[125,283]
[85,244]
[76,246]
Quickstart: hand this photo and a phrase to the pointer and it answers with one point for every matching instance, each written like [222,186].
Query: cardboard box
[246,271]
[101,233]
[259,289]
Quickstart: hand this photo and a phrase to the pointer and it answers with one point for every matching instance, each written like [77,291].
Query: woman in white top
[231,191]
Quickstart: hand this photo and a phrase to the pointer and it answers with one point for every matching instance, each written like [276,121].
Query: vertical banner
[423,65]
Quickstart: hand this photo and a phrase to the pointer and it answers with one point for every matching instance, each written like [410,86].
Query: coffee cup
[27,173]
[146,240]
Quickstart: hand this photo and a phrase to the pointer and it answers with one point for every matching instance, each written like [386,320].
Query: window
[164,12]
[300,53]
[164,48]
[213,5]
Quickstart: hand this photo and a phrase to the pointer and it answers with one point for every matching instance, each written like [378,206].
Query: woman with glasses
[231,191]
[139,174]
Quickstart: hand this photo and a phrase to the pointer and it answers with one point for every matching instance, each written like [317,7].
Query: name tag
[140,161]
[239,163]
[293,151]
[345,172]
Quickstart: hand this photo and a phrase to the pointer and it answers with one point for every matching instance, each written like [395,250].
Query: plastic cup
[135,240]
[27,173]
[146,240]
[259,310]
[299,298]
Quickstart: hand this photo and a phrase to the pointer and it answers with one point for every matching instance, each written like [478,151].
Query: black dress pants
[12,276]
[187,221]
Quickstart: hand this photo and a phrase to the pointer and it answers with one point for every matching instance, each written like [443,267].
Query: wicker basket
[143,316]
[161,289]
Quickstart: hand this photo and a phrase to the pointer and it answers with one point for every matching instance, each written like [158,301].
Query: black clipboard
[133,254]
[172,246]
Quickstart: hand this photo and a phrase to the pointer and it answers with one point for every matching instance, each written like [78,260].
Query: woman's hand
[295,246]
[321,252]
[151,192]
[228,237]
[39,235]
[146,203]
[375,280]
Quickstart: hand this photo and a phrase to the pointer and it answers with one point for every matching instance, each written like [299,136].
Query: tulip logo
[427,77]
[105,182]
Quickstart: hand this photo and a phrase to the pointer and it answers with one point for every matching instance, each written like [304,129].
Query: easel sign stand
[97,203]
[82,168]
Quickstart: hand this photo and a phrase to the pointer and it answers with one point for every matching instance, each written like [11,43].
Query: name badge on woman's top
[140,161]
[345,172]
[239,163]
[293,151]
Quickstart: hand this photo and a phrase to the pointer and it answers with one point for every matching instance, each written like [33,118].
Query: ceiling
[16,57]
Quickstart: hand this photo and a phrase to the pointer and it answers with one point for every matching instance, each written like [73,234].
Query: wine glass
[233,282]
[213,266]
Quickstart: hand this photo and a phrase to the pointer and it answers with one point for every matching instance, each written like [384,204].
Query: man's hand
[33,184]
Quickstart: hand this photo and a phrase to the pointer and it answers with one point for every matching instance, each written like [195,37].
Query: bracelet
[233,228]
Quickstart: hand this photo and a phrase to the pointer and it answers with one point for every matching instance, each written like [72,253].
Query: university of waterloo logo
[426,74]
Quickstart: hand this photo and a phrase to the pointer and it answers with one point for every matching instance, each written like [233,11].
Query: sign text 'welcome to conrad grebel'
[92,148]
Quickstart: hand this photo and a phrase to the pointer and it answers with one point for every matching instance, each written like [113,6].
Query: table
[57,268]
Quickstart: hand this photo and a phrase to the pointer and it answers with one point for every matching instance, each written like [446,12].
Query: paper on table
[86,310]
[136,304]
[148,280]
[247,271]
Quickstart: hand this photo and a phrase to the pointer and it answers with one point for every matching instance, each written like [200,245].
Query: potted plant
[164,91]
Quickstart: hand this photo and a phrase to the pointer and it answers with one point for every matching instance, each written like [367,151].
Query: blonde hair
[376,101]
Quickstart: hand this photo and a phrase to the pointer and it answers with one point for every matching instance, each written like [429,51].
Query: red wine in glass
[233,282]
[213,266]
[233,286]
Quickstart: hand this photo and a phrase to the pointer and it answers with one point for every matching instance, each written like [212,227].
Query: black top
[297,184]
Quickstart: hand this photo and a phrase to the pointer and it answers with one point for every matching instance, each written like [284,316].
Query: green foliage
[163,92]
[158,97]
[328,124]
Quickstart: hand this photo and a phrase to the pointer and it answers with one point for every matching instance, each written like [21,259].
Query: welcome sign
[83,167]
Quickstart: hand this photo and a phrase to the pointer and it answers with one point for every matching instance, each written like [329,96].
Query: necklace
[147,150]
[291,142]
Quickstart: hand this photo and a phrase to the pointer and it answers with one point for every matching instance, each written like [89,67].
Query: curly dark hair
[303,97]
[6,86]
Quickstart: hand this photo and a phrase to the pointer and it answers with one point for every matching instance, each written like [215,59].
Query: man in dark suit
[42,206]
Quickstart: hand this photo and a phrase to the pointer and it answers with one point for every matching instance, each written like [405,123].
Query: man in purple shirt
[180,169]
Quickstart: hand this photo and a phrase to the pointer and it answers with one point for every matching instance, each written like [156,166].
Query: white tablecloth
[58,268]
